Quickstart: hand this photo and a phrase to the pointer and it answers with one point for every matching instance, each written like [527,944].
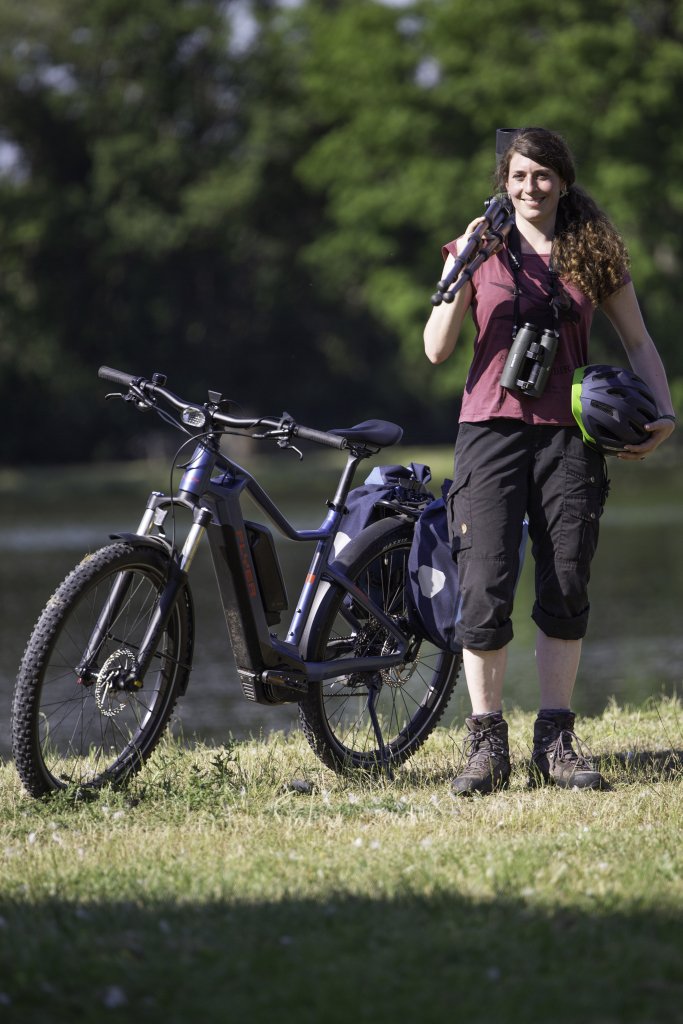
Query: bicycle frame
[271,670]
[370,688]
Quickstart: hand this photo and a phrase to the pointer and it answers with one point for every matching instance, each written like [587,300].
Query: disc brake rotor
[373,640]
[117,665]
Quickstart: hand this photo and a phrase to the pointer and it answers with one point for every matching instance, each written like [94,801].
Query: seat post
[346,479]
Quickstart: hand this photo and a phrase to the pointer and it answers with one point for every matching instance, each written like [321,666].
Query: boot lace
[485,746]
[562,749]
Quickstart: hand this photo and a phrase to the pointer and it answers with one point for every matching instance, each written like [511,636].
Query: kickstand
[374,686]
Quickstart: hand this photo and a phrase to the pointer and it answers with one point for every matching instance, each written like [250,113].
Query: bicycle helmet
[611,406]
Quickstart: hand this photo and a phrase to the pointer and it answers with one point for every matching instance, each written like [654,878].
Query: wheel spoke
[412,696]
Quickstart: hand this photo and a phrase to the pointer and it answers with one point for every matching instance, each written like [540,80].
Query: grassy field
[247,883]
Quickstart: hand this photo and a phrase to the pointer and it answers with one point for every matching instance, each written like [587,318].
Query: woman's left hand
[659,430]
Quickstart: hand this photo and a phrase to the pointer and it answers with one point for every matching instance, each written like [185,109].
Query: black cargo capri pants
[506,469]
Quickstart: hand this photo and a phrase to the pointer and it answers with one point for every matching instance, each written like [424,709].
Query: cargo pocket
[585,492]
[459,506]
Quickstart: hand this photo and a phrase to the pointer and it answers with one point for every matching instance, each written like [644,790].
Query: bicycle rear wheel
[410,698]
[71,730]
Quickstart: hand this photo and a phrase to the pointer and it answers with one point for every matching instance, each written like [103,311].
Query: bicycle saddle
[379,432]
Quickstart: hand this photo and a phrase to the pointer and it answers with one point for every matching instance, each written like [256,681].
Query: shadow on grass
[443,958]
[646,765]
[622,767]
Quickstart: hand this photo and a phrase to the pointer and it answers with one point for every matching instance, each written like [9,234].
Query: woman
[518,454]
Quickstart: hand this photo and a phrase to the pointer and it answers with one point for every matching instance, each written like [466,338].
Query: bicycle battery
[268,573]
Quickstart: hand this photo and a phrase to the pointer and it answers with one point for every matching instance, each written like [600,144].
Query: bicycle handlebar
[319,436]
[155,387]
[118,376]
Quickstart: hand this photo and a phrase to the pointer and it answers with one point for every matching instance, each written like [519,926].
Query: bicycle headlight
[193,416]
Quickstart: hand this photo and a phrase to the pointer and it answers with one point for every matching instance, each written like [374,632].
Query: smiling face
[534,191]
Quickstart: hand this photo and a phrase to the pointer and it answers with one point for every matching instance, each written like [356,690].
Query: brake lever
[281,436]
[141,400]
[285,442]
[288,446]
[282,440]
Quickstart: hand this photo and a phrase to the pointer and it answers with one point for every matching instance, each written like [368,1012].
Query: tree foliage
[252,196]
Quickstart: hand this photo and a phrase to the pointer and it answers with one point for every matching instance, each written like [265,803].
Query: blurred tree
[149,219]
[407,102]
[252,195]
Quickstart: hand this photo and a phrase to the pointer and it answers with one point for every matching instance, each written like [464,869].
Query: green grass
[212,888]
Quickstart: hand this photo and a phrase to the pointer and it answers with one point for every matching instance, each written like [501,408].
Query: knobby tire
[71,732]
[412,697]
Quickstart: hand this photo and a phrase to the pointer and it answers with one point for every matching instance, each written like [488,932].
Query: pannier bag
[405,484]
[434,595]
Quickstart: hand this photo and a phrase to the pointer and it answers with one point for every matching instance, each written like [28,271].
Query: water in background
[634,648]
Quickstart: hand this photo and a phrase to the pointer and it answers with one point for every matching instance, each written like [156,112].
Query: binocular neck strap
[514,248]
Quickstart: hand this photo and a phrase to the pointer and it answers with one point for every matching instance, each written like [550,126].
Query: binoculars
[529,360]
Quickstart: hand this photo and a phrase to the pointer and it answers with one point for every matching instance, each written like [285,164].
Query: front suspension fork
[132,678]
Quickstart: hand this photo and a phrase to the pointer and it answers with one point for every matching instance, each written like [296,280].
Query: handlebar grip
[320,437]
[118,376]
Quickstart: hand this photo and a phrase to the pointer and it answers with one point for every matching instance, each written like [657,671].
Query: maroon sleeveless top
[493,312]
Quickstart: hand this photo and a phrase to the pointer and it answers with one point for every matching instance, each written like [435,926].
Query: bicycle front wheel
[409,699]
[75,729]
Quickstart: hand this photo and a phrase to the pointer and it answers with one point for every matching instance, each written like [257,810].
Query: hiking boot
[554,759]
[488,761]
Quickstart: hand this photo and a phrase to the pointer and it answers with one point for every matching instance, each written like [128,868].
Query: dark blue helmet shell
[611,406]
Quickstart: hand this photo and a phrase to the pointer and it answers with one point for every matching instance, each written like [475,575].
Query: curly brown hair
[587,248]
